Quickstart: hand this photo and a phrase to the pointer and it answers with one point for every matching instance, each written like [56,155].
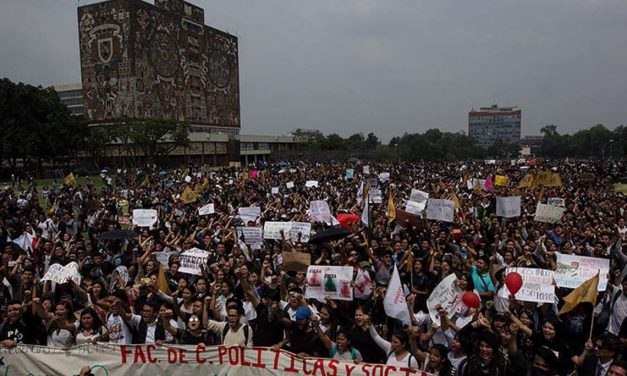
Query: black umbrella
[330,234]
[117,234]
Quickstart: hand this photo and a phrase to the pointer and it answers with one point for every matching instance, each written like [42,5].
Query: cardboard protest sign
[573,270]
[404,218]
[319,211]
[311,183]
[289,185]
[253,236]
[144,217]
[334,281]
[249,213]
[62,274]
[304,228]
[440,210]
[508,207]
[272,230]
[363,284]
[206,210]
[556,201]
[192,260]
[384,177]
[295,261]
[537,285]
[548,213]
[448,295]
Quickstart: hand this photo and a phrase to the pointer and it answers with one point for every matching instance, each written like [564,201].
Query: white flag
[394,302]
[364,214]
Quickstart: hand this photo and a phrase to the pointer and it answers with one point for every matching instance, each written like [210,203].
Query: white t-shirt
[119,332]
[619,311]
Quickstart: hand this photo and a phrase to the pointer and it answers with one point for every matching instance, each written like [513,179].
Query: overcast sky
[388,66]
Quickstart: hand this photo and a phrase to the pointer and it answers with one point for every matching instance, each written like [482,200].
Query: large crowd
[244,296]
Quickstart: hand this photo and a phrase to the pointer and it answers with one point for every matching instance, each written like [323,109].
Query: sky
[382,66]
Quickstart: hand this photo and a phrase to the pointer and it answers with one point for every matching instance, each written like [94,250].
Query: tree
[155,138]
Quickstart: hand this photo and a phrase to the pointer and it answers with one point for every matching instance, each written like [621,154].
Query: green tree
[156,138]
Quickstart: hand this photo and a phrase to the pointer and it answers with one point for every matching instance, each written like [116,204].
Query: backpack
[227,327]
[408,359]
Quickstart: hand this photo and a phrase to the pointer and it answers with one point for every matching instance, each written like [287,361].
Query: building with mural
[142,61]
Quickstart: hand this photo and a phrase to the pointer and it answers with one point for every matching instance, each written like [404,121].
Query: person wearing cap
[303,340]
[295,301]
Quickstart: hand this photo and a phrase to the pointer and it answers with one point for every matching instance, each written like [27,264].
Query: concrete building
[489,125]
[71,96]
[141,61]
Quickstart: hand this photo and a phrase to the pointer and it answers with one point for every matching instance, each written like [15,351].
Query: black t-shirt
[20,332]
[268,330]
[188,339]
[307,342]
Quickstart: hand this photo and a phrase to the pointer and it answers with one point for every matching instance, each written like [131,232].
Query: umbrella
[346,220]
[117,234]
[333,233]
[163,172]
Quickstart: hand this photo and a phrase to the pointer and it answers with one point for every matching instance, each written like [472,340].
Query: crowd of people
[244,296]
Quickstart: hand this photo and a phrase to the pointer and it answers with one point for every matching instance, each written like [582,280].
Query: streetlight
[611,142]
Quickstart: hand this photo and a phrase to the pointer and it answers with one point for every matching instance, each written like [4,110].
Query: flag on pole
[585,293]
[365,214]
[162,281]
[391,209]
[188,196]
[70,179]
[394,302]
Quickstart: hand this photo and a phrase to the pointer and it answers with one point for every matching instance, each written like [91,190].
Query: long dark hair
[97,322]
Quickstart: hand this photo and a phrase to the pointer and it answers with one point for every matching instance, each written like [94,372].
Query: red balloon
[514,282]
[471,299]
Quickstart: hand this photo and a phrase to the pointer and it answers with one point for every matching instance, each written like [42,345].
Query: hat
[303,313]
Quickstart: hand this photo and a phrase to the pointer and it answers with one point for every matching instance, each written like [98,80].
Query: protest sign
[448,295]
[366,170]
[537,285]
[289,185]
[206,210]
[275,190]
[295,261]
[121,271]
[62,274]
[304,228]
[319,211]
[556,201]
[249,213]
[374,195]
[548,213]
[272,230]
[384,177]
[334,281]
[350,173]
[180,360]
[253,236]
[164,258]
[192,260]
[471,183]
[418,196]
[414,207]
[500,180]
[508,207]
[144,217]
[573,270]
[363,284]
[440,210]
[311,183]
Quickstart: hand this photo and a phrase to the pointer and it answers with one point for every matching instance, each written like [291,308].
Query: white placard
[253,236]
[192,260]
[304,228]
[249,214]
[440,210]
[448,295]
[374,195]
[334,281]
[144,217]
[275,190]
[289,184]
[573,270]
[508,207]
[272,230]
[384,177]
[548,213]
[164,258]
[363,284]
[206,210]
[537,285]
[365,170]
[319,211]
[556,201]
[470,184]
[414,207]
[311,183]
[418,196]
[61,274]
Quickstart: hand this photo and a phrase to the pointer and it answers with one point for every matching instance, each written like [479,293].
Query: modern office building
[142,61]
[493,124]
[71,96]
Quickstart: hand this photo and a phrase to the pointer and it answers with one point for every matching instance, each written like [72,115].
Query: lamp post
[611,142]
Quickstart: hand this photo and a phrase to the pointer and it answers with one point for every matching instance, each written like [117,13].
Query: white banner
[365,170]
[144,217]
[537,285]
[384,177]
[192,260]
[470,184]
[440,210]
[206,210]
[304,228]
[573,270]
[363,284]
[418,196]
[334,281]
[414,207]
[556,201]
[272,230]
[274,190]
[253,236]
[448,295]
[311,183]
[289,185]
[61,274]
[319,211]
[374,195]
[508,207]
[182,360]
[548,213]
[249,214]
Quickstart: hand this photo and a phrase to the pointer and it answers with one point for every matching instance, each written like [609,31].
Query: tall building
[141,61]
[494,124]
[71,95]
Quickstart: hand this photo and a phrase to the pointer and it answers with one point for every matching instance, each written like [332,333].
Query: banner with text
[573,270]
[537,285]
[508,207]
[440,210]
[191,261]
[334,281]
[144,217]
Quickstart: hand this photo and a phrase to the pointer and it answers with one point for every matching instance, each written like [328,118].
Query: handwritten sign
[289,185]
[366,170]
[274,190]
[440,210]
[164,258]
[253,236]
[311,183]
[206,210]
[319,211]
[144,217]
[418,196]
[249,213]
[384,177]
[62,274]
[192,260]
[548,213]
[302,228]
[573,270]
[508,207]
[334,281]
[414,207]
[556,201]
[537,285]
[272,230]
[374,195]
[448,295]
